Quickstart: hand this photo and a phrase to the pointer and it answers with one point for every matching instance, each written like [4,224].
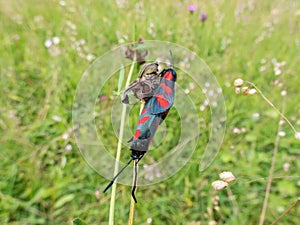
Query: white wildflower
[65,136]
[236,130]
[286,167]
[255,116]
[297,135]
[90,57]
[48,43]
[186,91]
[55,40]
[283,93]
[277,71]
[62,3]
[68,148]
[57,118]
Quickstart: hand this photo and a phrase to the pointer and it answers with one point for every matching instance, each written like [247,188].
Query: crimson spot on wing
[143,120]
[168,75]
[143,111]
[162,101]
[166,88]
[137,134]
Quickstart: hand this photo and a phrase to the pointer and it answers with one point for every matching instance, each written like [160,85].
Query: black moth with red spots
[153,114]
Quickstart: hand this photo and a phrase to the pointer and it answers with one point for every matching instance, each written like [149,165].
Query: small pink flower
[192,8]
[203,17]
[102,98]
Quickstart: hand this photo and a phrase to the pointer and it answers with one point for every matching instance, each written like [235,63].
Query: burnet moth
[153,114]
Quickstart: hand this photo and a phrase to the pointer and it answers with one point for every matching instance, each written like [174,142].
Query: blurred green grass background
[45,48]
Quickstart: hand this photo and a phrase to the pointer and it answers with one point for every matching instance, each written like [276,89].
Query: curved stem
[273,106]
[114,186]
[286,211]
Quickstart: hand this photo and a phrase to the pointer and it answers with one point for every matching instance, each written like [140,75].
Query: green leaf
[38,195]
[63,200]
[78,222]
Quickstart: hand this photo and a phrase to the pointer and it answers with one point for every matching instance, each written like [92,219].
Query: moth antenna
[135,180]
[115,177]
[135,177]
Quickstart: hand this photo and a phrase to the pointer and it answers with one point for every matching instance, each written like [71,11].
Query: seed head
[245,90]
[219,185]
[227,176]
[252,91]
[237,90]
[238,82]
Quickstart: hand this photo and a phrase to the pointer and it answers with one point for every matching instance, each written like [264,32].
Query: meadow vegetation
[47,46]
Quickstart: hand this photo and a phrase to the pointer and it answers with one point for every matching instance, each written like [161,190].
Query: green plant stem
[132,203]
[121,132]
[131,211]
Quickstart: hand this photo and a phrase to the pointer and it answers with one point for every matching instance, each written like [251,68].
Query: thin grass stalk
[273,106]
[271,172]
[121,132]
[132,203]
[234,203]
[286,211]
[131,210]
